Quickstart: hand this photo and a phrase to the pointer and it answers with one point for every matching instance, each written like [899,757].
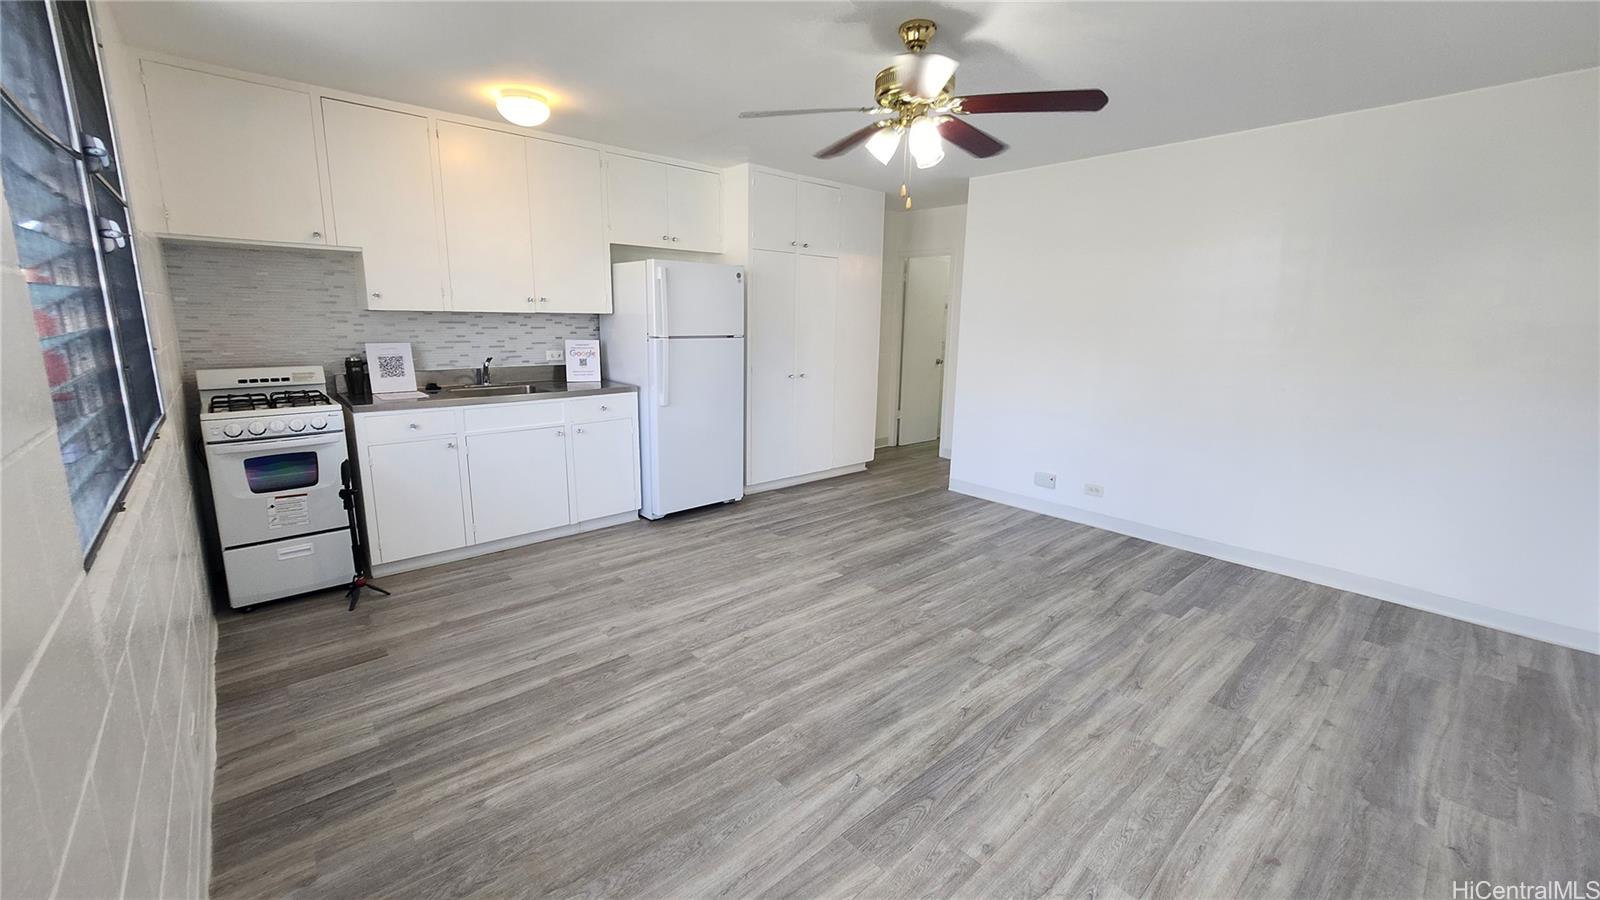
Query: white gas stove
[275,448]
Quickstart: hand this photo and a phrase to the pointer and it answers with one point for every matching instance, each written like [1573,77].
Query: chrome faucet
[483,371]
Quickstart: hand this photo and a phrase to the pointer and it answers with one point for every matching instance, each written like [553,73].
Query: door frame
[944,329]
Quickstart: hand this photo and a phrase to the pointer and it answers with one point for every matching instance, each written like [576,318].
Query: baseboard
[804,479]
[510,543]
[1416,598]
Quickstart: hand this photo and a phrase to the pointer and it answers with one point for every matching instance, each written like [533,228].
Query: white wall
[917,232]
[1360,350]
[107,734]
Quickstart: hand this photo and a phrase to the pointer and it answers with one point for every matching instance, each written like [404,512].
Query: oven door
[286,487]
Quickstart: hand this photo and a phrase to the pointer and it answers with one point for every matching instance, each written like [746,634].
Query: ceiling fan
[917,102]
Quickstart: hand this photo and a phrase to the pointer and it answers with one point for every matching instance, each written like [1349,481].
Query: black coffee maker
[357,381]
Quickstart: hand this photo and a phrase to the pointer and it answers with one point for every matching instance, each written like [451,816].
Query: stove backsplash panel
[246,306]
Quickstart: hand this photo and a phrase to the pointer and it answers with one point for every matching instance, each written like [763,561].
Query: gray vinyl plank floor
[872,687]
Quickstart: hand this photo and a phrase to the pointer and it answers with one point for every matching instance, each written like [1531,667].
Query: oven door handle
[279,444]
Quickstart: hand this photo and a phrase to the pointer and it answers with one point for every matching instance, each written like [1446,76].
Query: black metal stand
[358,549]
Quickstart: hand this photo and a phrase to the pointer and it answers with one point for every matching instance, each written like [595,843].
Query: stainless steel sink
[486,390]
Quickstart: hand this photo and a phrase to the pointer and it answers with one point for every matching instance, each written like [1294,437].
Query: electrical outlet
[554,356]
[1094,490]
[1045,480]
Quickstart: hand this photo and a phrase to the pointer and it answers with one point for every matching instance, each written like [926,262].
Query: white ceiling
[669,78]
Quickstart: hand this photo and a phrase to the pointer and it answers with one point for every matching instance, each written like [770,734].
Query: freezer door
[695,300]
[693,424]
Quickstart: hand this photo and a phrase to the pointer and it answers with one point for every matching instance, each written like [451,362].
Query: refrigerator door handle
[663,371]
[661,303]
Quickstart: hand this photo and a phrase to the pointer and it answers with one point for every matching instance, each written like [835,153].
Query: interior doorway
[922,341]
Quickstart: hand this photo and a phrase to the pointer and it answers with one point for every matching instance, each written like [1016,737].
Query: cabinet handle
[578,430]
[792,243]
[791,375]
[316,234]
[451,445]
[802,374]
[666,237]
[530,299]
[674,240]
[560,433]
[376,294]
[805,245]
[413,426]
[604,408]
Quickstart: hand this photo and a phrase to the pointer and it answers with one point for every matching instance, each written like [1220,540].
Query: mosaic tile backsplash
[246,306]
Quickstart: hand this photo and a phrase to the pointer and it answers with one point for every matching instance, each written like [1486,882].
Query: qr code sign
[391,366]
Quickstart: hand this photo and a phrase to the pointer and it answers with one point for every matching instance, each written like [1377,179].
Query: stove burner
[277,400]
[239,402]
[281,399]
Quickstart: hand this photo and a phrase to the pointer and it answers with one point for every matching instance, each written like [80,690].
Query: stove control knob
[297,424]
[319,422]
[277,426]
[233,429]
[258,427]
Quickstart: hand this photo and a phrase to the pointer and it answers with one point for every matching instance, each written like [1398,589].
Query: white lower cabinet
[519,482]
[601,450]
[542,468]
[414,490]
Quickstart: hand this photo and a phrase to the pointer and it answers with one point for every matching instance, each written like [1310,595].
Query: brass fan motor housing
[916,33]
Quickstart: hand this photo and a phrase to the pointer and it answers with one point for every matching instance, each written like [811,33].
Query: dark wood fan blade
[769,113]
[973,140]
[849,142]
[1035,101]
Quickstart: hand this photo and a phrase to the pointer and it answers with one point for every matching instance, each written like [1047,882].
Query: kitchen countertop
[543,390]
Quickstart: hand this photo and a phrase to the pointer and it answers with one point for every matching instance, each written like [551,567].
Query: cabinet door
[856,324]
[818,218]
[605,468]
[772,212]
[518,482]
[571,262]
[816,304]
[770,350]
[380,175]
[636,201]
[237,159]
[416,490]
[694,209]
[488,242]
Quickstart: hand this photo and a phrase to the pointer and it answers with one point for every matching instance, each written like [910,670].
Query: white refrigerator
[677,331]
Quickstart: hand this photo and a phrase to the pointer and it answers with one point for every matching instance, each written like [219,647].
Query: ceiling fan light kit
[917,96]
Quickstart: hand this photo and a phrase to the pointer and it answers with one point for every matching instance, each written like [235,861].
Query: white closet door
[571,260]
[488,240]
[817,208]
[772,212]
[770,349]
[380,169]
[816,301]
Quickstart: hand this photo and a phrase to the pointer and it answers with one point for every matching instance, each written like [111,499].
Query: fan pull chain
[905,180]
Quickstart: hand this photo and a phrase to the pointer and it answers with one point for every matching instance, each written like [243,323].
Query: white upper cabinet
[652,204]
[488,239]
[817,218]
[380,176]
[694,209]
[237,159]
[571,261]
[636,200]
[772,212]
